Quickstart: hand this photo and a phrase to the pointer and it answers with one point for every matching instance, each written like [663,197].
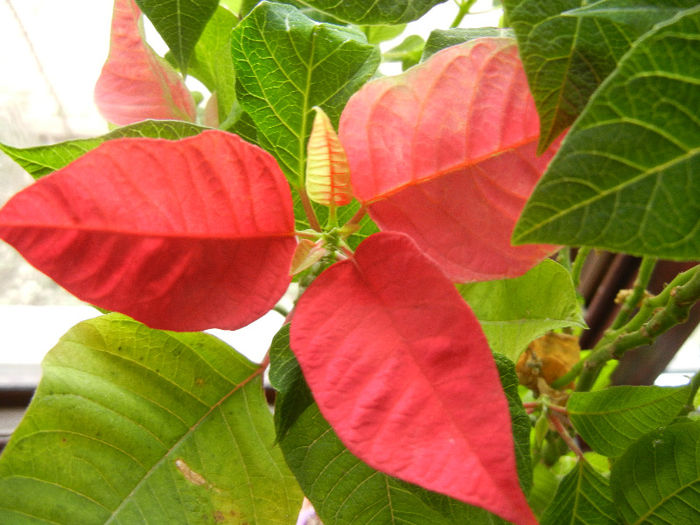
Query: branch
[640,286]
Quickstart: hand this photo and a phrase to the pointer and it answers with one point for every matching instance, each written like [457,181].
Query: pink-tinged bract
[401,369]
[446,152]
[135,84]
[181,235]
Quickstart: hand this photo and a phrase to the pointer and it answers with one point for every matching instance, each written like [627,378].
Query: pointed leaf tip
[327,169]
[446,152]
[135,84]
[408,361]
[181,235]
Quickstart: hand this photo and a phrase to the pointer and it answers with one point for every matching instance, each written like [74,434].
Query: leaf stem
[694,386]
[359,214]
[464,8]
[309,210]
[577,265]
[640,285]
[556,423]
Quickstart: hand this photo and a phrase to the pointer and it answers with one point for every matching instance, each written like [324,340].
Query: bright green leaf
[211,61]
[407,52]
[286,64]
[657,480]
[42,160]
[544,486]
[382,33]
[134,425]
[513,312]
[611,420]
[625,178]
[583,497]
[343,489]
[442,38]
[363,12]
[180,23]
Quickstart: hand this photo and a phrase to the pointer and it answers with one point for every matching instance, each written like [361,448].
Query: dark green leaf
[625,178]
[42,160]
[565,58]
[211,61]
[285,65]
[134,425]
[657,480]
[583,497]
[443,38]
[180,23]
[639,15]
[611,420]
[345,490]
[514,312]
[362,12]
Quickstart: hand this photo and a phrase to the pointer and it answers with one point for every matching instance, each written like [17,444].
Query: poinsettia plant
[428,244]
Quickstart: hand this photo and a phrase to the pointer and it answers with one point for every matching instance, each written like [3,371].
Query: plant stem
[640,285]
[577,266]
[694,386]
[655,316]
[556,423]
[309,210]
[564,258]
[464,8]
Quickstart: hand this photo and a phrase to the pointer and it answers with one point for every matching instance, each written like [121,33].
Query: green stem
[464,8]
[640,285]
[564,258]
[694,386]
[577,266]
[655,316]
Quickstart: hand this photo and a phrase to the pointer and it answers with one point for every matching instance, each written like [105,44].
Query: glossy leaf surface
[323,64]
[184,235]
[42,160]
[446,153]
[611,420]
[375,12]
[513,312]
[658,479]
[343,489]
[440,39]
[408,362]
[179,22]
[133,425]
[327,170]
[135,84]
[603,189]
[635,16]
[583,497]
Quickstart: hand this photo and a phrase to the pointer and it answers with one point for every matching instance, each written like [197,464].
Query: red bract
[135,84]
[400,367]
[181,235]
[446,153]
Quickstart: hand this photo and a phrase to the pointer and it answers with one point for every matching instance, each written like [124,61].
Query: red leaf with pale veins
[402,371]
[181,235]
[135,84]
[446,153]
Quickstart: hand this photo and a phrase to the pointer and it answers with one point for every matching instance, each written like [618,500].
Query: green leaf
[180,23]
[514,312]
[286,64]
[382,33]
[657,480]
[583,497]
[42,160]
[211,61]
[362,12]
[611,420]
[639,15]
[625,177]
[443,38]
[407,52]
[345,490]
[565,58]
[544,486]
[134,425]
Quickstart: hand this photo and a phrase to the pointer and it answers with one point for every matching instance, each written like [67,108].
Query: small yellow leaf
[306,255]
[327,169]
